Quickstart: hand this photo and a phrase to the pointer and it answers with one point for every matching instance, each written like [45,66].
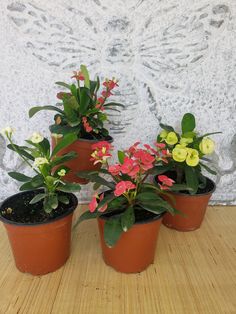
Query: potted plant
[38,220]
[186,155]
[83,112]
[130,212]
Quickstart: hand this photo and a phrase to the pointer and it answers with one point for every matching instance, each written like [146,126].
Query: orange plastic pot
[192,207]
[41,248]
[135,250]
[82,162]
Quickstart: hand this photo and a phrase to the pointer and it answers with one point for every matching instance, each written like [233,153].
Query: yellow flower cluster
[181,152]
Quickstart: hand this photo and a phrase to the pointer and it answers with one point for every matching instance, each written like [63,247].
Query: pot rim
[190,195]
[110,140]
[67,213]
[147,221]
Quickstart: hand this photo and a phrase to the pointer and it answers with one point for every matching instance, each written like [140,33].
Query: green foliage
[38,156]
[81,112]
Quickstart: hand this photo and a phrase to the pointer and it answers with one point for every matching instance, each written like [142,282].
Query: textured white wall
[171,57]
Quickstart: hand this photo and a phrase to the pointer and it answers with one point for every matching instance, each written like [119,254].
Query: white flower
[62,173]
[36,138]
[40,161]
[57,135]
[7,131]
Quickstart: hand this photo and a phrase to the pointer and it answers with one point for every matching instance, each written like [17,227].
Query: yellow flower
[171,138]
[163,134]
[62,173]
[40,161]
[7,131]
[192,157]
[184,141]
[179,153]
[207,146]
[36,138]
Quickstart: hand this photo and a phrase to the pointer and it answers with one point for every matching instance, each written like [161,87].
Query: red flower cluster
[101,152]
[86,125]
[166,182]
[110,85]
[78,75]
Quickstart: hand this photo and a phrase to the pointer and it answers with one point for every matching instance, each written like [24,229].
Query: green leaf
[62,159]
[84,100]
[188,123]
[70,109]
[86,76]
[208,169]
[160,169]
[112,231]
[146,196]
[96,186]
[34,110]
[191,179]
[94,177]
[35,182]
[127,219]
[37,198]
[19,150]
[63,199]
[121,156]
[64,129]
[50,203]
[157,207]
[166,127]
[107,199]
[69,187]
[189,134]
[45,146]
[19,176]
[85,216]
[63,84]
[180,187]
[74,91]
[64,142]
[208,134]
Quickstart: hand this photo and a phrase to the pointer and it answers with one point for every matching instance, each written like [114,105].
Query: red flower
[104,207]
[166,182]
[160,145]
[94,203]
[101,100]
[145,158]
[133,148]
[123,186]
[114,169]
[110,84]
[130,167]
[86,125]
[78,75]
[101,152]
[106,94]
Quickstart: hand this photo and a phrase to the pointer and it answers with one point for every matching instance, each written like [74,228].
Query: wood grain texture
[194,272]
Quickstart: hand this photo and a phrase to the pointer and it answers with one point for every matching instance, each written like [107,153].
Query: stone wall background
[171,57]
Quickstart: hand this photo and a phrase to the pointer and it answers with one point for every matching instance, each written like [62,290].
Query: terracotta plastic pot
[82,162]
[193,208]
[135,250]
[40,248]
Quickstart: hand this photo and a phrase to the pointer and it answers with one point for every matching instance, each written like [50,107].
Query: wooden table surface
[194,272]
